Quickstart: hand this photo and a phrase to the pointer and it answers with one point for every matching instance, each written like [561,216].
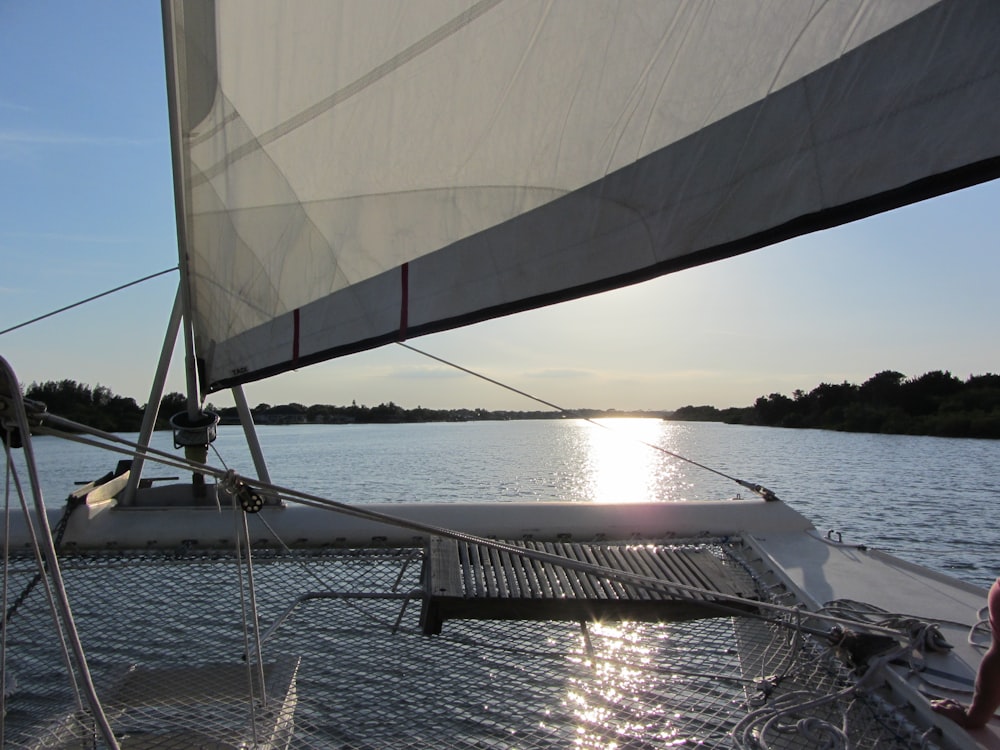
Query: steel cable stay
[6,574]
[39,577]
[248,608]
[232,482]
[758,489]
[15,418]
[89,299]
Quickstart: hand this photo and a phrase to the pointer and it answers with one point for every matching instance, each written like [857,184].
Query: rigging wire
[242,536]
[315,501]
[230,479]
[89,299]
[39,576]
[240,530]
[6,574]
[753,487]
[763,720]
[44,548]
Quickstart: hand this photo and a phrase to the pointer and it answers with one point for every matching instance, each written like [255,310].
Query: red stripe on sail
[295,337]
[404,305]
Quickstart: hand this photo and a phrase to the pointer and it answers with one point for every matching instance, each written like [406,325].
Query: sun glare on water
[619,678]
[622,465]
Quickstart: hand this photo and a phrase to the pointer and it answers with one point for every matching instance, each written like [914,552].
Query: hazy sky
[86,205]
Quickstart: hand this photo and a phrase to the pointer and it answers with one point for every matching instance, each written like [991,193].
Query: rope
[89,299]
[231,485]
[6,576]
[778,717]
[246,634]
[316,501]
[57,536]
[20,420]
[753,487]
[982,626]
[41,565]
[754,730]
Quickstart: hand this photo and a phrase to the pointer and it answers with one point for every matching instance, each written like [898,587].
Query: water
[928,500]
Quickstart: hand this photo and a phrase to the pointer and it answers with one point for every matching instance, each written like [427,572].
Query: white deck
[821,571]
[162,519]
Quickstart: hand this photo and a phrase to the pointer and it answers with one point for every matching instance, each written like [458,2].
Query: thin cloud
[17,146]
[76,238]
[424,373]
[14,106]
[21,138]
[560,374]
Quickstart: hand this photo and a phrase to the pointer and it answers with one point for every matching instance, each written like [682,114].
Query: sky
[86,205]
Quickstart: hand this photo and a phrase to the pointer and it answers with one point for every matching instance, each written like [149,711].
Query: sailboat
[349,175]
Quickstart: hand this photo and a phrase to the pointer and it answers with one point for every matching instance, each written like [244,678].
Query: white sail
[391,169]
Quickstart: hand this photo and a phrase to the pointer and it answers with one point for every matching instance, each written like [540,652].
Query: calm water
[929,500]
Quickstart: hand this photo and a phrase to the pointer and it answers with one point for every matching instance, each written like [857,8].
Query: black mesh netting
[346,666]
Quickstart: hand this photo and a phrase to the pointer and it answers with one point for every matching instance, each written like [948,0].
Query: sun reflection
[622,466]
[610,701]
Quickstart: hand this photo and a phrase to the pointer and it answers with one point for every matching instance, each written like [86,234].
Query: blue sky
[86,205]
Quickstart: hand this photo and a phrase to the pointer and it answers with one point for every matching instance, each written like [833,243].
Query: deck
[464,580]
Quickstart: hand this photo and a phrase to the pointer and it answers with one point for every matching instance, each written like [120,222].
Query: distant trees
[936,403]
[383,413]
[97,407]
[707,414]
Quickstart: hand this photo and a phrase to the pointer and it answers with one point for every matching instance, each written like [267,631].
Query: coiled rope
[770,725]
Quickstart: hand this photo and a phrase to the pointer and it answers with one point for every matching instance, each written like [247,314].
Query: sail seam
[378,73]
[404,300]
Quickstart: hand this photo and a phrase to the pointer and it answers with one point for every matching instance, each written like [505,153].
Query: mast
[180,206]
[194,430]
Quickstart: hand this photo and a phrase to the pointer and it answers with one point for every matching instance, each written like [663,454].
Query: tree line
[98,407]
[936,403]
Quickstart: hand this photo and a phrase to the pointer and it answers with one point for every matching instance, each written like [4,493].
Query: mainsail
[353,173]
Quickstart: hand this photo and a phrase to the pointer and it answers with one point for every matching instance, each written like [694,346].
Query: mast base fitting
[197,432]
[194,436]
